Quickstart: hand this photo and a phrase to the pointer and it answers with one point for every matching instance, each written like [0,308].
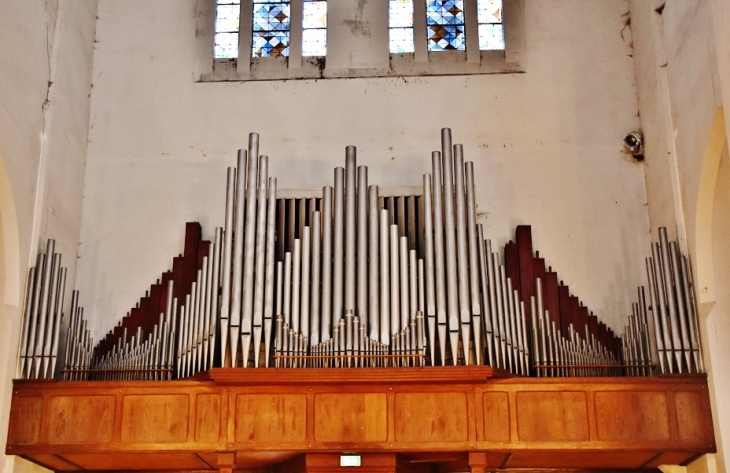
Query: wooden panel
[496,416]
[278,418]
[670,458]
[25,419]
[350,417]
[53,462]
[552,416]
[430,417]
[155,418]
[137,461]
[631,415]
[95,413]
[578,459]
[693,417]
[208,418]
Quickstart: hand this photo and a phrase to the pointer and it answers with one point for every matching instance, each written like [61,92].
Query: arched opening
[712,276]
[703,254]
[10,286]
[11,302]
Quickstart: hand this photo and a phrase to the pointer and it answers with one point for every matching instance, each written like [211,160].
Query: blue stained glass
[314,15]
[401,40]
[400,13]
[314,42]
[445,20]
[445,12]
[490,11]
[271,44]
[226,29]
[491,36]
[271,17]
[400,21]
[314,28]
[226,18]
[226,46]
[491,27]
[446,38]
[271,27]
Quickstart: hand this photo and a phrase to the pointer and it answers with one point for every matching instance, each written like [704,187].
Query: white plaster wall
[547,146]
[656,122]
[46,53]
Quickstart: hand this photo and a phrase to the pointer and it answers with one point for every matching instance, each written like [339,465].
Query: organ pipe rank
[355,277]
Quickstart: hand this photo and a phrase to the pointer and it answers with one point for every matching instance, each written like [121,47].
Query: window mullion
[295,33]
[245,31]
[420,33]
[514,30]
[471,30]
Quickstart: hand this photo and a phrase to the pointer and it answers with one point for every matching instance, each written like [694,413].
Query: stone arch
[703,251]
[10,292]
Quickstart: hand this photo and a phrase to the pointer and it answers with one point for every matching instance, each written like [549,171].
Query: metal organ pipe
[362,245]
[260,258]
[249,246]
[237,270]
[439,254]
[451,251]
[373,269]
[350,278]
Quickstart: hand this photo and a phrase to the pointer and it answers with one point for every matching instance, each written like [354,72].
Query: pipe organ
[354,276]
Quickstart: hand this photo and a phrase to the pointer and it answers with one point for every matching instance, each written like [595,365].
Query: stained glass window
[491,26]
[400,22]
[314,28]
[227,13]
[271,28]
[445,23]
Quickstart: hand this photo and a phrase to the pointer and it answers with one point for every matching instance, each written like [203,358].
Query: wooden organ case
[289,344]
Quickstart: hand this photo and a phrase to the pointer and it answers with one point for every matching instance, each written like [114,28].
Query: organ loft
[373,296]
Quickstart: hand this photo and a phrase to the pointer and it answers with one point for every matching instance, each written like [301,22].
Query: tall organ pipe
[462,257]
[326,310]
[474,259]
[405,308]
[362,245]
[384,278]
[57,327]
[372,328]
[37,332]
[394,281]
[338,278]
[29,298]
[306,263]
[249,246]
[260,257]
[314,312]
[429,266]
[214,303]
[451,257]
[350,226]
[237,270]
[226,263]
[439,253]
[50,319]
[484,283]
[295,280]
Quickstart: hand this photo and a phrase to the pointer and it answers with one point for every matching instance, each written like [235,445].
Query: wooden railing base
[396,419]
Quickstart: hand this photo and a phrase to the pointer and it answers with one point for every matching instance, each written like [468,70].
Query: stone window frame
[419,63]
